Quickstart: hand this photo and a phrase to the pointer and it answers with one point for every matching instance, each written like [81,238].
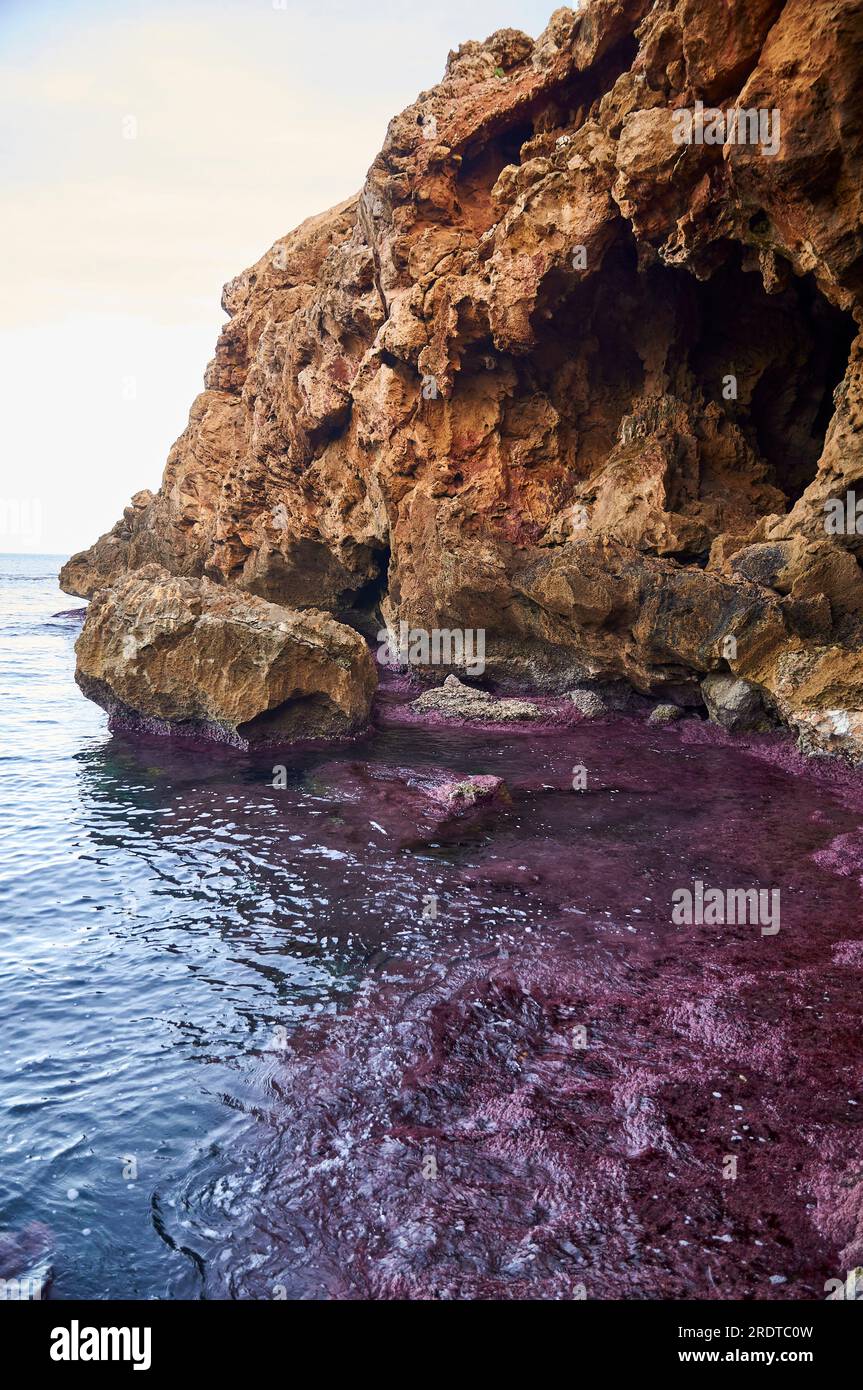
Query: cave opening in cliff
[790,350]
[580,95]
[359,608]
[655,344]
[480,167]
[564,109]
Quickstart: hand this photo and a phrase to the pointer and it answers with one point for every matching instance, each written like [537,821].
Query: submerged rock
[70,614]
[456,700]
[561,374]
[186,655]
[409,806]
[26,1262]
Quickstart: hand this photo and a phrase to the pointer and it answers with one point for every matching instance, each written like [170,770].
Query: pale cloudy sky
[248,115]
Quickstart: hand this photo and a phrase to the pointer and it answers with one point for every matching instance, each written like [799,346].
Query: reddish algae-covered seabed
[544,1088]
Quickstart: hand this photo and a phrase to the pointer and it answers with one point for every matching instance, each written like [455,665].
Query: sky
[148,153]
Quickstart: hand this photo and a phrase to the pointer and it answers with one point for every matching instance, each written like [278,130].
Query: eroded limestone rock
[665,714]
[456,700]
[735,704]
[589,703]
[554,375]
[187,655]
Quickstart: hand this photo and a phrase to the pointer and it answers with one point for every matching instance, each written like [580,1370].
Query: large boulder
[189,656]
[735,704]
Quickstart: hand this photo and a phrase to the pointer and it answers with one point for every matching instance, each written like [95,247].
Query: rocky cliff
[578,366]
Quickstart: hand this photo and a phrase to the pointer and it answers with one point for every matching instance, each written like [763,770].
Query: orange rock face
[562,374]
[186,655]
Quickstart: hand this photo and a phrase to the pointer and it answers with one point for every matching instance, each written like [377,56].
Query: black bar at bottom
[217,1338]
